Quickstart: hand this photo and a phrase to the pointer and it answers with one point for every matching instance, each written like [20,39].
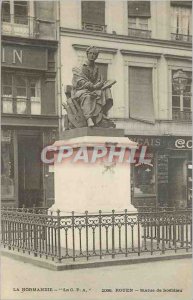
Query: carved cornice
[101,49]
[178,57]
[118,37]
[139,53]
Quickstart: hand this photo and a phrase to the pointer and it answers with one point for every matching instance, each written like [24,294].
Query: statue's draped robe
[91,101]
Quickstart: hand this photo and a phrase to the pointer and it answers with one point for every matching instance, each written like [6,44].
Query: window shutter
[45,10]
[141,94]
[93,12]
[103,68]
[139,9]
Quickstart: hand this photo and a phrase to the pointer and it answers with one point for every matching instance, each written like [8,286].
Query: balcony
[181,37]
[21,105]
[184,116]
[139,33]
[30,27]
[93,27]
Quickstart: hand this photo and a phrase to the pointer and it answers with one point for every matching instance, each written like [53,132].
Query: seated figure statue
[91,96]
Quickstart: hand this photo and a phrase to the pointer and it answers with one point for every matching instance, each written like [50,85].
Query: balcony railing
[185,116]
[21,105]
[93,27]
[181,37]
[28,27]
[139,33]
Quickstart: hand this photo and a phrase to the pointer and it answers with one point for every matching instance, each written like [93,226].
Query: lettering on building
[183,144]
[16,56]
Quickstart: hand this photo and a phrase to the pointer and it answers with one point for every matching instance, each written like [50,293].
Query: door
[29,171]
[177,182]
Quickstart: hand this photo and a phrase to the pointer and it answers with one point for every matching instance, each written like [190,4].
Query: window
[144,178]
[15,12]
[21,86]
[21,94]
[189,184]
[93,15]
[7,85]
[181,23]
[20,12]
[139,18]
[6,17]
[141,94]
[103,68]
[7,164]
[181,99]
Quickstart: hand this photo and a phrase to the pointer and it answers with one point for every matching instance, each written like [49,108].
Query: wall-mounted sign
[183,143]
[147,140]
[25,57]
[169,142]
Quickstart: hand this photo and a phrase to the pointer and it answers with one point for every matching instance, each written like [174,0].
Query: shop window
[144,179]
[139,17]
[21,94]
[181,98]
[189,185]
[181,22]
[93,15]
[7,164]
[141,94]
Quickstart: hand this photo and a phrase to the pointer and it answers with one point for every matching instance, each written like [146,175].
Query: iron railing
[94,27]
[181,37]
[29,27]
[181,115]
[22,105]
[60,237]
[139,33]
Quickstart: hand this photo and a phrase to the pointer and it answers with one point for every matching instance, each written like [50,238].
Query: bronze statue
[90,98]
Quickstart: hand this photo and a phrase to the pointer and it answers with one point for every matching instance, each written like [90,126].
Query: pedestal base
[96,186]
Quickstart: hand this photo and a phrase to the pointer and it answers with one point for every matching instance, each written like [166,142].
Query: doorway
[29,170]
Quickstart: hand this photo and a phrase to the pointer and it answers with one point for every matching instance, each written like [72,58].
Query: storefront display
[167,180]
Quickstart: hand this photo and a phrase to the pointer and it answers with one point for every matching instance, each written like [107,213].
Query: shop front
[29,123]
[167,179]
[24,178]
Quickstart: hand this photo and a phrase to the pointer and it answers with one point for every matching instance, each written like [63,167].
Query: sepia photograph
[96,150]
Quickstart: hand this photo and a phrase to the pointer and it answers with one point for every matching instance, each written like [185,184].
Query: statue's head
[92,53]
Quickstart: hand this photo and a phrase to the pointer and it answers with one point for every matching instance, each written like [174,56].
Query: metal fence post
[100,233]
[73,237]
[59,241]
[113,233]
[86,224]
[125,220]
[138,235]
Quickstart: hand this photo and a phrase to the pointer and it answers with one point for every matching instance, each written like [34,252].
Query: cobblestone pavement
[165,280]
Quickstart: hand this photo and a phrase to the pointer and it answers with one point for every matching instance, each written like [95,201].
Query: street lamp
[180,80]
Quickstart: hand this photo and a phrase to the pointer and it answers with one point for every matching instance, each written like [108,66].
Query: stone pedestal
[83,186]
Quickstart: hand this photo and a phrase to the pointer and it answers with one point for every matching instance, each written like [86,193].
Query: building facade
[29,100]
[146,47]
